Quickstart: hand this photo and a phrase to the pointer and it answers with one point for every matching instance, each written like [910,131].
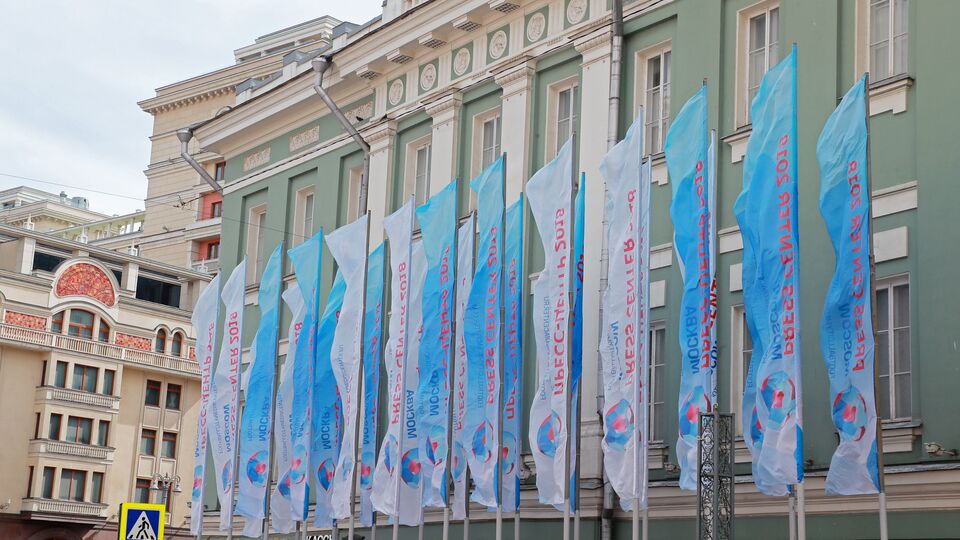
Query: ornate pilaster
[380,137]
[445,112]
[516,108]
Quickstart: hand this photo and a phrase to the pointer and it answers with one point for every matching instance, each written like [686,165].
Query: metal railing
[67,448]
[53,506]
[42,338]
[55,393]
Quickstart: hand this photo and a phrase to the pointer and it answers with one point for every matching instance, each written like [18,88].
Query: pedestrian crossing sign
[139,521]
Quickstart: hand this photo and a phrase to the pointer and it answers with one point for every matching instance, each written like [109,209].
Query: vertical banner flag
[226,384]
[411,509]
[325,447]
[372,335]
[438,225]
[549,192]
[687,153]
[846,332]
[281,507]
[513,354]
[204,322]
[767,213]
[460,442]
[348,245]
[386,478]
[306,259]
[576,355]
[482,325]
[625,338]
[257,419]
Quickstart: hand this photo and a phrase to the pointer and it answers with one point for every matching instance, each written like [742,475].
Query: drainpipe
[613,116]
[185,134]
[320,66]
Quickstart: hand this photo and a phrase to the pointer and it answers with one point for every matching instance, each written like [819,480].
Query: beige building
[98,383]
[183,213]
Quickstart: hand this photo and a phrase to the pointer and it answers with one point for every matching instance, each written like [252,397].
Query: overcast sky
[73,72]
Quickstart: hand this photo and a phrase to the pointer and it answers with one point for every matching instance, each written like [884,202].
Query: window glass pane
[148,441]
[81,323]
[72,484]
[142,492]
[885,397]
[774,37]
[152,395]
[46,489]
[901,306]
[89,379]
[104,333]
[882,309]
[653,72]
[168,448]
[85,431]
[904,393]
[54,432]
[103,435]
[96,487]
[60,379]
[160,344]
[899,55]
[176,344]
[883,353]
[72,429]
[108,375]
[308,215]
[879,21]
[879,67]
[901,350]
[56,325]
[758,32]
[173,397]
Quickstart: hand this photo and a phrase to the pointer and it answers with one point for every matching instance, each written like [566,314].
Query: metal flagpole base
[516,525]
[466,524]
[576,525]
[646,523]
[350,527]
[635,527]
[499,533]
[883,516]
[566,520]
[396,527]
[801,513]
[420,529]
[792,520]
[446,523]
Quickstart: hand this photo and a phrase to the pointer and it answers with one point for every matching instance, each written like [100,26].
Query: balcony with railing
[55,509]
[47,340]
[211,266]
[55,394]
[50,448]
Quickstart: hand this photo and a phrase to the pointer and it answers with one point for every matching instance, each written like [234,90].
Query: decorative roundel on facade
[395,93]
[536,26]
[461,61]
[428,76]
[576,9]
[84,279]
[498,44]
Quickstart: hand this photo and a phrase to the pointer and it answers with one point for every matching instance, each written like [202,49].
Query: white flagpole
[236,433]
[792,517]
[498,477]
[451,365]
[571,284]
[466,482]
[265,533]
[403,378]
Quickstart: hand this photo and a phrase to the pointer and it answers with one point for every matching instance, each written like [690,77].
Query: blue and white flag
[348,245]
[576,354]
[767,213]
[465,245]
[306,259]
[512,355]
[326,418]
[204,321]
[226,385]
[550,195]
[625,336]
[438,226]
[257,419]
[691,209]
[281,507]
[846,332]
[372,336]
[386,477]
[411,509]
[482,324]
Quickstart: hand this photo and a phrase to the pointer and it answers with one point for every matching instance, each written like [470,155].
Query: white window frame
[888,284]
[256,230]
[354,179]
[738,367]
[304,213]
[656,350]
[410,169]
[640,90]
[479,120]
[743,54]
[863,39]
[553,103]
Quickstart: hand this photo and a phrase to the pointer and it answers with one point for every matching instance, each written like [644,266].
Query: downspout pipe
[185,135]
[320,66]
[613,117]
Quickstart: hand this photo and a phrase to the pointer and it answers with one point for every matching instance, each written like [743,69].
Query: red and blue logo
[850,414]
[257,468]
[410,468]
[483,442]
[298,465]
[694,404]
[366,470]
[325,473]
[390,453]
[620,424]
[756,430]
[283,486]
[459,461]
[779,396]
[509,457]
[226,476]
[548,435]
[436,445]
[197,482]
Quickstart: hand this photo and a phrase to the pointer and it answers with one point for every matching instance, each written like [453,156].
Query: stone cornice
[189,100]
[516,78]
[380,136]
[445,107]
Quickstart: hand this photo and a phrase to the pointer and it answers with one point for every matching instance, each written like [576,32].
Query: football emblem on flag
[257,469]
[483,441]
[459,461]
[756,430]
[325,473]
[548,434]
[779,396]
[509,449]
[226,476]
[620,424]
[695,403]
[436,445]
[197,481]
[298,465]
[850,414]
[410,468]
[366,472]
[283,486]
[390,453]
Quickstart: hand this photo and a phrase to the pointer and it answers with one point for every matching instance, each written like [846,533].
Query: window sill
[890,95]
[658,167]
[737,141]
[899,436]
[657,454]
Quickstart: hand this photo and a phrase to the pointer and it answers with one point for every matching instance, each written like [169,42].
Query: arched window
[177,344]
[161,343]
[56,324]
[81,324]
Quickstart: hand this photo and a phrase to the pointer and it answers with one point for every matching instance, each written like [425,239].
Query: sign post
[142,521]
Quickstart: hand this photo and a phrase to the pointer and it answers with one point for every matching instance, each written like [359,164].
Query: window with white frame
[303,218]
[417,177]
[489,141]
[741,352]
[566,114]
[657,377]
[759,43]
[354,179]
[256,241]
[893,349]
[654,75]
[888,38]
